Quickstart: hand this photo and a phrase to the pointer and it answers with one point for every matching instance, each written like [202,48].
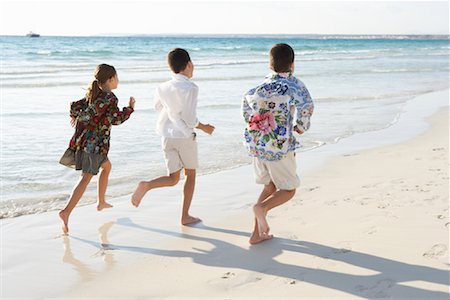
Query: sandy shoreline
[365,224]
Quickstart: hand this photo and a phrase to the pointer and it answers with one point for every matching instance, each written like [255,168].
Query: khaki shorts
[283,172]
[180,153]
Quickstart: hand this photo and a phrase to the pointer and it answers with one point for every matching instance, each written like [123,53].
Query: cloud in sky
[82,17]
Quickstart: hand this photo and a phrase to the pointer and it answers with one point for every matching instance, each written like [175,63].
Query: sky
[119,17]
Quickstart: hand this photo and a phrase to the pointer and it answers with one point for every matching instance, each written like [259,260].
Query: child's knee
[86,177]
[270,187]
[291,192]
[174,178]
[189,172]
[106,166]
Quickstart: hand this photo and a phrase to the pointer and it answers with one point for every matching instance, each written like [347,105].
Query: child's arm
[76,107]
[246,109]
[207,128]
[115,116]
[157,102]
[189,113]
[305,107]
[80,112]
[189,110]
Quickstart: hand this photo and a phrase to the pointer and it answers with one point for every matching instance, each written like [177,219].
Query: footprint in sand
[228,275]
[345,248]
[379,290]
[350,154]
[383,205]
[372,230]
[436,251]
[331,203]
[313,188]
[342,250]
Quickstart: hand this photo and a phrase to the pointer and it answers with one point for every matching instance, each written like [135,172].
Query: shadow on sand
[261,258]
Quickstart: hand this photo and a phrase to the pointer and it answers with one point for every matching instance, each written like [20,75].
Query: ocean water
[359,84]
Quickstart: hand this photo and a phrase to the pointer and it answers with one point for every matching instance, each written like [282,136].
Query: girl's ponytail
[102,73]
[93,91]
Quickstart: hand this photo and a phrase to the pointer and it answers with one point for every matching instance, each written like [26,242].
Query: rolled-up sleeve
[116,116]
[157,101]
[189,113]
[246,109]
[76,107]
[305,107]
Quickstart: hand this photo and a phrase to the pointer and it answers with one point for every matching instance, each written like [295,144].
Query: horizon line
[271,35]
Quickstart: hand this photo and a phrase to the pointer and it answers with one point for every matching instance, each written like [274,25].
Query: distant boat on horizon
[32,34]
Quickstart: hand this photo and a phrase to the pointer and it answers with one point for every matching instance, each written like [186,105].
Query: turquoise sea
[358,83]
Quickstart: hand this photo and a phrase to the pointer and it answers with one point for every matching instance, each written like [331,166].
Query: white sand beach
[370,220]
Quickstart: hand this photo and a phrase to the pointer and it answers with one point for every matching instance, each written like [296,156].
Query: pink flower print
[264,122]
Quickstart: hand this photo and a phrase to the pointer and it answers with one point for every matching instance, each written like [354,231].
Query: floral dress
[269,111]
[91,139]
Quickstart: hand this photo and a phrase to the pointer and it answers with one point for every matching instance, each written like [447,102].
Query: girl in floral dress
[93,117]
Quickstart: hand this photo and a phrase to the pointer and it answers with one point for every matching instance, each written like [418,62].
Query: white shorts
[283,172]
[180,153]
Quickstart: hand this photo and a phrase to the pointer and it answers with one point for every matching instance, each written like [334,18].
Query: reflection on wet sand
[87,273]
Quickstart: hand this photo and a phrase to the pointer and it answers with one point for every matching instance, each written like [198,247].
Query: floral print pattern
[94,122]
[269,111]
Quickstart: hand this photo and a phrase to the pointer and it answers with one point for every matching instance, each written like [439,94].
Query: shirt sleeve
[76,107]
[189,112]
[82,111]
[246,110]
[304,106]
[115,116]
[157,101]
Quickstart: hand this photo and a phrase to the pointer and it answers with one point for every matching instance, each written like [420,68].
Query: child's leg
[274,200]
[102,185]
[268,190]
[77,192]
[188,193]
[144,186]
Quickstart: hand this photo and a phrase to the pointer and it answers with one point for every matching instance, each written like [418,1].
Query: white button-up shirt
[176,102]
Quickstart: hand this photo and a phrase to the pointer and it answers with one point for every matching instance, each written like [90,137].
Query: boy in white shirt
[176,102]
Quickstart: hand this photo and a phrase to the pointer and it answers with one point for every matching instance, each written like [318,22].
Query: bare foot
[260,216]
[103,205]
[65,219]
[190,220]
[256,238]
[138,194]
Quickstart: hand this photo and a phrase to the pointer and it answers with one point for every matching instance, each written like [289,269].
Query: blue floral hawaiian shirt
[270,110]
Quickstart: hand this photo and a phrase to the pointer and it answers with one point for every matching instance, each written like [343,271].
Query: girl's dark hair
[178,59]
[281,58]
[102,73]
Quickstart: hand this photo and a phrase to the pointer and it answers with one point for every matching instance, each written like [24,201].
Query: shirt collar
[274,75]
[178,76]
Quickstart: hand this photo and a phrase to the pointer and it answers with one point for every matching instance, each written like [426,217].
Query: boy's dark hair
[178,59]
[281,58]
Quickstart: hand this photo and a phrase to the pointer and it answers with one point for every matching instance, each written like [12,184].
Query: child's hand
[131,102]
[298,130]
[208,129]
[73,121]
